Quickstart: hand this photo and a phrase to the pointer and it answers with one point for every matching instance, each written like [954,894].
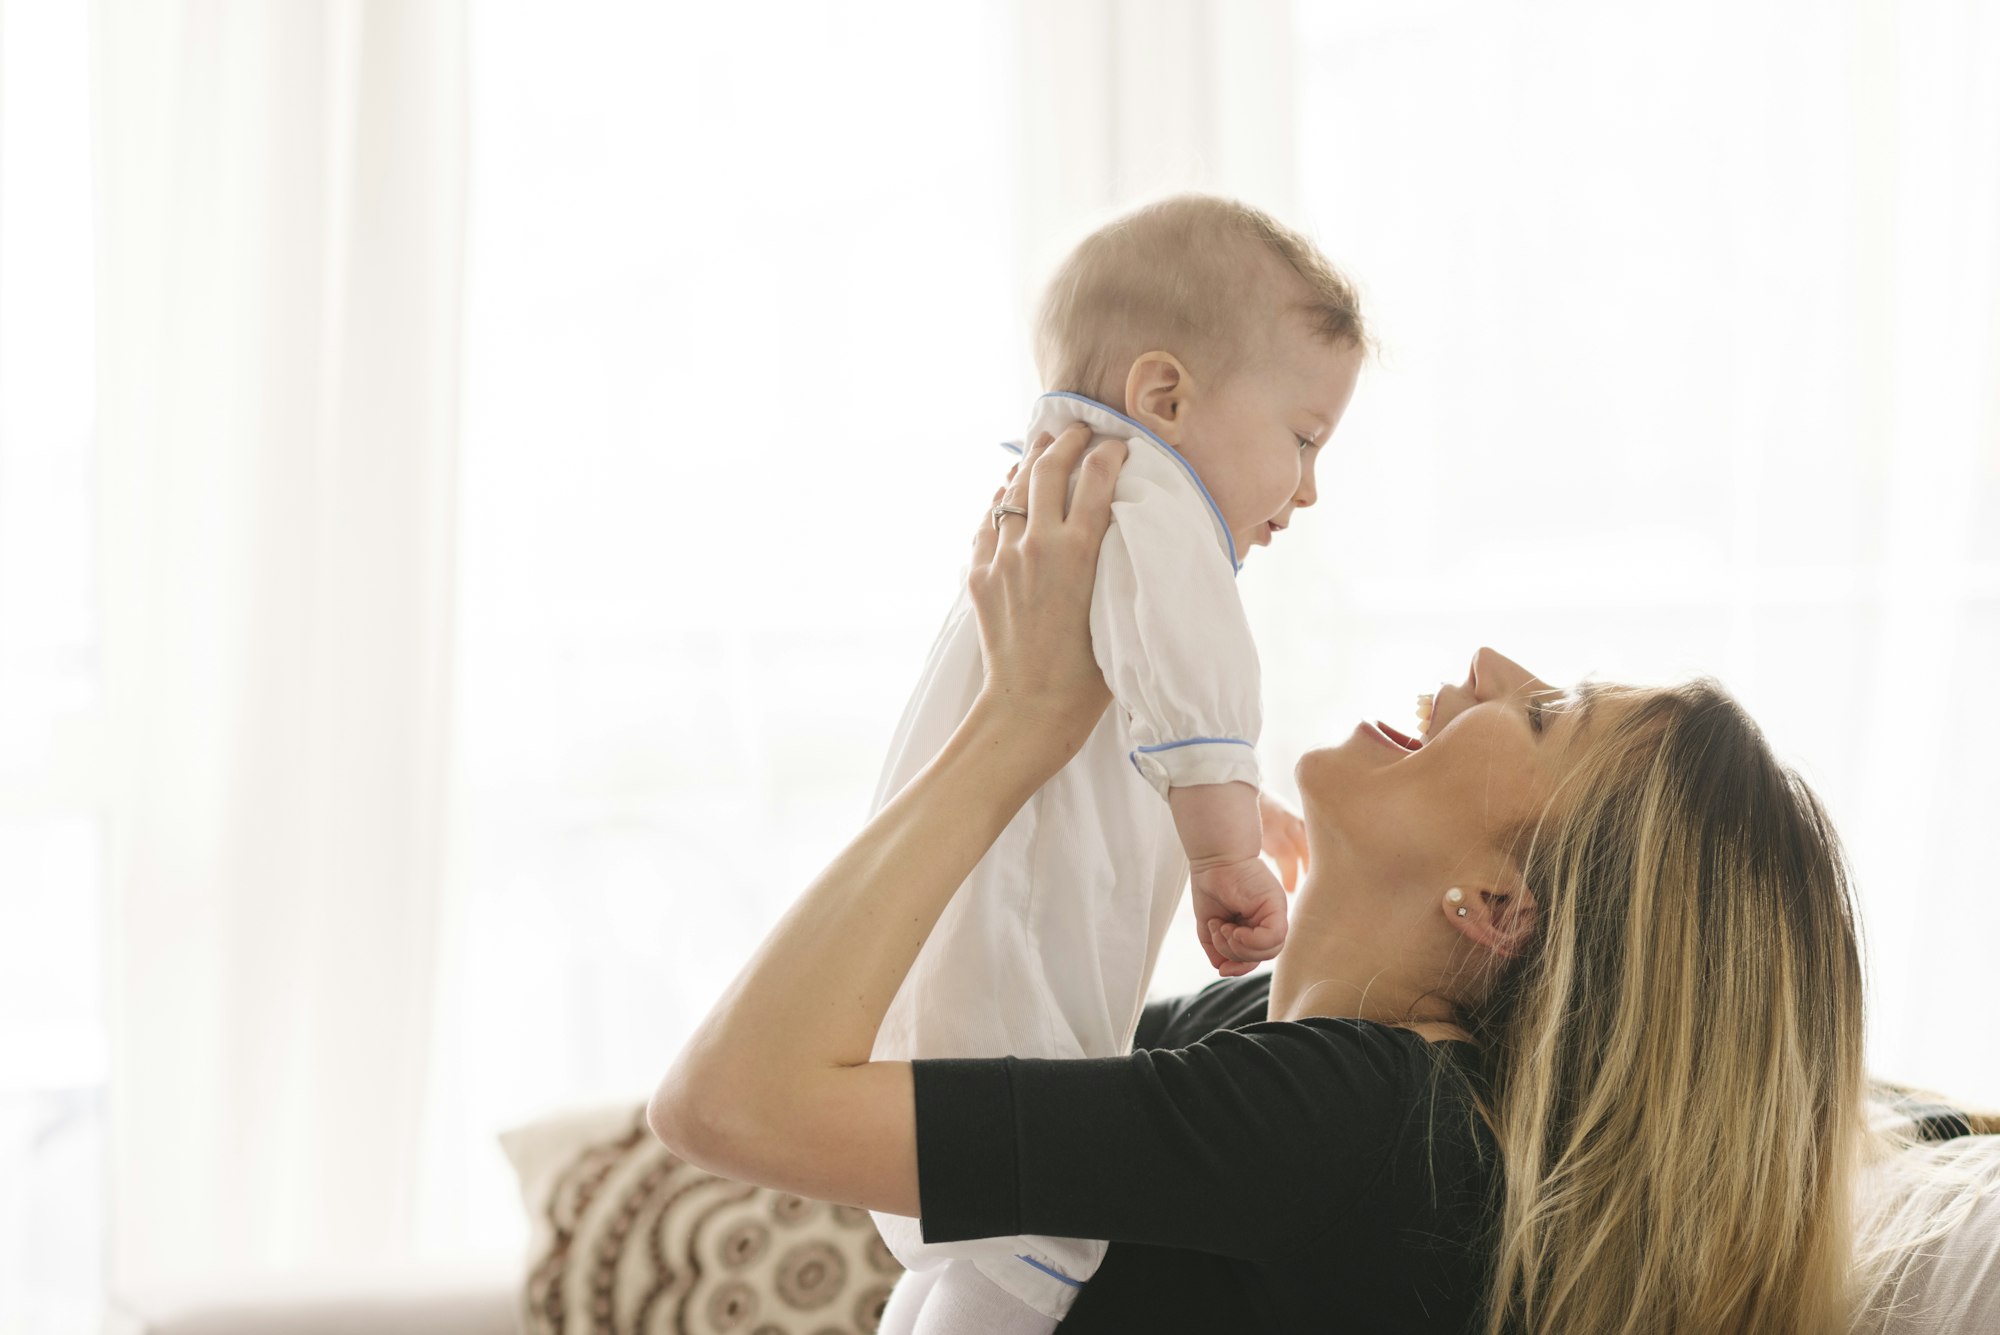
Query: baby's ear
[1156,395]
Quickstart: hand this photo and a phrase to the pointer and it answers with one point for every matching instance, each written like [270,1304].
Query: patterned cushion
[629,1240]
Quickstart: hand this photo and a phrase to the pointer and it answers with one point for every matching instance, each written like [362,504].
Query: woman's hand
[1284,839]
[777,1086]
[1031,582]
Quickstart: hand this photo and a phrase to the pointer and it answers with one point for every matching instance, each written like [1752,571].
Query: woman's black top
[1319,1175]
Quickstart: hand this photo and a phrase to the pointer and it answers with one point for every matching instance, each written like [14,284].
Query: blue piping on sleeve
[1169,746]
[1052,1274]
[1194,741]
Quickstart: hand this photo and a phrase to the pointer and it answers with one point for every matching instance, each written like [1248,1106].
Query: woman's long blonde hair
[1676,1060]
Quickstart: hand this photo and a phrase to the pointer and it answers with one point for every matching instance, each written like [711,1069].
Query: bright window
[742,337]
[52,1049]
[1688,366]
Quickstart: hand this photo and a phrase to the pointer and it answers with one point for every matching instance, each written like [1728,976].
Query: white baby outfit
[1047,948]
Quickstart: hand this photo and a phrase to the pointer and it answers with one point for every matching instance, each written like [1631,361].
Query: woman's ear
[1156,395]
[1500,919]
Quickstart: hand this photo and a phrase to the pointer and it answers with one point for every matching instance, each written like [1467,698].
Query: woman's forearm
[813,996]
[776,1085]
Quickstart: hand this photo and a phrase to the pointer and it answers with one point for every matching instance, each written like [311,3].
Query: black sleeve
[1155,1019]
[1248,1143]
[1227,1003]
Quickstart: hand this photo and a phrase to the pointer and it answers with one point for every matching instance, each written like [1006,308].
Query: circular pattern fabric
[629,1240]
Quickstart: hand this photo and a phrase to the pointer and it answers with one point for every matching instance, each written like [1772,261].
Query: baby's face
[1255,440]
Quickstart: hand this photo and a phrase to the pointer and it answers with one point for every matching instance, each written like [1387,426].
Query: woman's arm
[776,1086]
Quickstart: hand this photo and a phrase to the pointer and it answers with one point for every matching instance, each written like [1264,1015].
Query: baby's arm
[1168,630]
[1239,906]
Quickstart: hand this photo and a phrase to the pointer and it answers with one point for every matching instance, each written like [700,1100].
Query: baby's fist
[1239,914]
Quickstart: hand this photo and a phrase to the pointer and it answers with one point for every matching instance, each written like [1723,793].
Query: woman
[1566,1036]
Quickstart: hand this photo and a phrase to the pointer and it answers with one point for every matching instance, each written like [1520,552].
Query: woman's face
[1381,815]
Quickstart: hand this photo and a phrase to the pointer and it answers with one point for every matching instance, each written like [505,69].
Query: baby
[1222,348]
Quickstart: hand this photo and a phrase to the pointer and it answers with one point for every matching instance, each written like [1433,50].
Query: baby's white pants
[955,1299]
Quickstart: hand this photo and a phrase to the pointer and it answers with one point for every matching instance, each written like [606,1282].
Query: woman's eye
[1305,442]
[1535,715]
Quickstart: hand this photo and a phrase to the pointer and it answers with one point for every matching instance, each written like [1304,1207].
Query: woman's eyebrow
[1539,701]
[1577,705]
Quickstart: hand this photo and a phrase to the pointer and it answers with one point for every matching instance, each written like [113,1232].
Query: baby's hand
[1284,839]
[1239,913]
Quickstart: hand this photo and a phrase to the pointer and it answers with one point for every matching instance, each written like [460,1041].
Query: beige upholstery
[625,1240]
[629,1241]
[1950,1285]
[628,1238]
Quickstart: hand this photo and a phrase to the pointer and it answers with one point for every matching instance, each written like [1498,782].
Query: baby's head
[1224,333]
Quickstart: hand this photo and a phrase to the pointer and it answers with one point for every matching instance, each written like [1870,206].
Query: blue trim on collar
[1228,538]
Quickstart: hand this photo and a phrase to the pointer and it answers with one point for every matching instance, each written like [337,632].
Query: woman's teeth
[1426,705]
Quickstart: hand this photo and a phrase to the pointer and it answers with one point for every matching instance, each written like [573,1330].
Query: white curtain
[51,980]
[747,318]
[1124,100]
[784,327]
[462,758]
[1691,364]
[743,336]
[281,193]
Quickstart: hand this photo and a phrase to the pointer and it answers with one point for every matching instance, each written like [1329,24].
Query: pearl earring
[1456,896]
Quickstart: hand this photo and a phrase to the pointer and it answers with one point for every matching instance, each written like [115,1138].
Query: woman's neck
[1355,965]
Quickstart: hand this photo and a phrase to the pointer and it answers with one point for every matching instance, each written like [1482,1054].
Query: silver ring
[1000,510]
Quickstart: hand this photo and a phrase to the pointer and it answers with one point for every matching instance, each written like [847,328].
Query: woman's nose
[1494,674]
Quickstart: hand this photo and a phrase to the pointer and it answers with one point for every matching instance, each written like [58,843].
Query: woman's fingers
[986,538]
[1033,602]
[1090,505]
[1048,477]
[1016,491]
[1290,853]
[1039,484]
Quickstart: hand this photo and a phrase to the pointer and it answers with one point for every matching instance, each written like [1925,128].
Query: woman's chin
[1337,787]
[1366,745]
[1312,765]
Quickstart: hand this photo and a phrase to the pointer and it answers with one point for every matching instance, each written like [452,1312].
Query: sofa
[628,1240]
[624,1237]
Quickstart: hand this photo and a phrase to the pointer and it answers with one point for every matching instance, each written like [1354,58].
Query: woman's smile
[1390,737]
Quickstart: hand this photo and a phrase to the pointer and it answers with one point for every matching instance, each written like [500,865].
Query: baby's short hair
[1203,277]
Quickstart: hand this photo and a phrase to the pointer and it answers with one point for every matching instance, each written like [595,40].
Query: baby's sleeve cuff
[1196,761]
